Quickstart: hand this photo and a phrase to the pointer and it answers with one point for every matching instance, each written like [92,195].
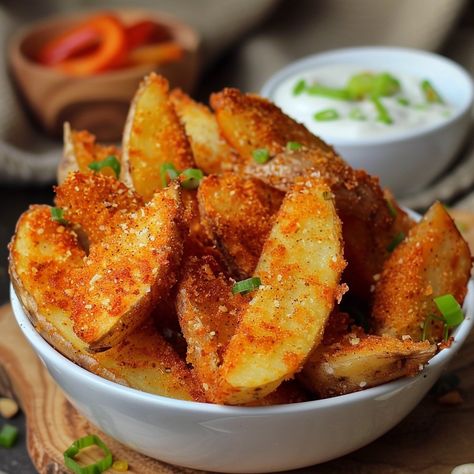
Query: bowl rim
[268,89]
[41,346]
[15,42]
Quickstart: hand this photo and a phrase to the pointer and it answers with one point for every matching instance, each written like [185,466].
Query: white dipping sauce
[419,114]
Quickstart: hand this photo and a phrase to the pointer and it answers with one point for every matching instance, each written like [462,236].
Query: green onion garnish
[385,85]
[450,309]
[357,114]
[261,155]
[100,466]
[57,214]
[244,286]
[430,92]
[368,84]
[110,162]
[331,93]
[8,435]
[293,146]
[326,115]
[403,101]
[383,115]
[299,87]
[168,170]
[192,178]
[395,242]
[391,208]
[121,465]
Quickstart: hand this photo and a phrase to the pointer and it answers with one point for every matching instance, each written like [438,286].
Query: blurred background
[238,43]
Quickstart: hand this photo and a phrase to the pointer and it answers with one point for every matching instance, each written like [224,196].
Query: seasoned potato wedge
[111,291]
[232,206]
[300,268]
[93,194]
[210,150]
[153,136]
[433,260]
[209,315]
[358,361]
[80,150]
[249,122]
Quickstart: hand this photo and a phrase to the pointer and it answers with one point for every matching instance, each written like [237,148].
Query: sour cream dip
[336,119]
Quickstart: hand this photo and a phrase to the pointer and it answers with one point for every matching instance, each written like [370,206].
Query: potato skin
[358,361]
[432,261]
[238,213]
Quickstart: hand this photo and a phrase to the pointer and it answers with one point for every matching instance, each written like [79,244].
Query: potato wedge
[93,194]
[111,291]
[237,213]
[433,260]
[300,268]
[249,122]
[210,150]
[80,150]
[153,136]
[209,315]
[359,361]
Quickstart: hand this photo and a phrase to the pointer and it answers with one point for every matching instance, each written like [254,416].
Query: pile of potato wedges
[227,255]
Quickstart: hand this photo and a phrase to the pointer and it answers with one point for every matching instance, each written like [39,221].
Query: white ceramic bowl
[408,161]
[238,439]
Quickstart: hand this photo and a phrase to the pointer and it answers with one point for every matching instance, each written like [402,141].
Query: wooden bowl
[100,102]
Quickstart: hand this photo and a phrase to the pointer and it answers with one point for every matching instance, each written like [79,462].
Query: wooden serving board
[432,439]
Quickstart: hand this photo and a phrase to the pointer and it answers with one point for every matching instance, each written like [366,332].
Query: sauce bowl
[410,159]
[240,439]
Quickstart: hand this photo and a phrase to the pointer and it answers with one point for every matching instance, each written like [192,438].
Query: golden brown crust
[153,136]
[211,153]
[237,213]
[434,260]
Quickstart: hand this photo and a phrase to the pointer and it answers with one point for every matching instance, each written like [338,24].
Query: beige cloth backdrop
[265,35]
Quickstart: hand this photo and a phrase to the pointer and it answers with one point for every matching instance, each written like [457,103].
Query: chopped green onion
[326,115]
[368,84]
[450,309]
[391,208]
[403,101]
[168,170]
[293,146]
[299,87]
[395,242]
[192,178]
[357,114]
[110,162]
[383,115]
[385,85]
[100,466]
[331,93]
[261,155]
[431,94]
[57,214]
[360,85]
[244,286]
[8,435]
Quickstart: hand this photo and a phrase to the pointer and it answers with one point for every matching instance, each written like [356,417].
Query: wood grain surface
[433,439]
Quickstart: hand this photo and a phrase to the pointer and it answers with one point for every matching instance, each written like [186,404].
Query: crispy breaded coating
[153,136]
[432,261]
[249,122]
[357,361]
[211,152]
[80,150]
[299,269]
[237,213]
[82,196]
